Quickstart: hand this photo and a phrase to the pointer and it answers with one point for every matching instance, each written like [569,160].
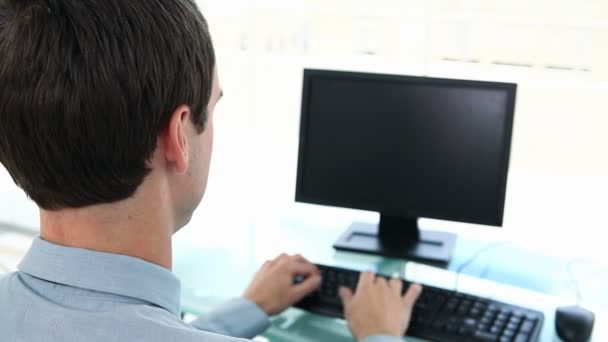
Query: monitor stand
[398,237]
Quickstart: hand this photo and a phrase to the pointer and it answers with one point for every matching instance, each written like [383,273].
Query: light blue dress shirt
[71,294]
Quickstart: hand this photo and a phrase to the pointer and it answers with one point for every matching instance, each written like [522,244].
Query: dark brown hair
[86,87]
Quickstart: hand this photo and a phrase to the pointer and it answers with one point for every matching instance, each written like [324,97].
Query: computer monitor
[406,147]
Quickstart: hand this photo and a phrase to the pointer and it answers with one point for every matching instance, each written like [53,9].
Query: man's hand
[377,307]
[273,288]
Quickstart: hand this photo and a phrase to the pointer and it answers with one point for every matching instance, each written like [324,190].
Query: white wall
[554,50]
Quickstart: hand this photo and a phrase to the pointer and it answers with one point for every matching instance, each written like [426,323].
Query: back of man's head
[86,86]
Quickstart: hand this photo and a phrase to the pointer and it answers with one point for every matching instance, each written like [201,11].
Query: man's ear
[175,139]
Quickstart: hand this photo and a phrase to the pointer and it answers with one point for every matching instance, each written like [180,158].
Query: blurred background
[555,50]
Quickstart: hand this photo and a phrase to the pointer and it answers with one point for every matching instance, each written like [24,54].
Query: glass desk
[214,266]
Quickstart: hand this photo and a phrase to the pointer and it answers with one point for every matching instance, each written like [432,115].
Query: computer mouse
[573,323]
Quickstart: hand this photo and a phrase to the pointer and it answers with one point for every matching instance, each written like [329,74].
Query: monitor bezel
[310,74]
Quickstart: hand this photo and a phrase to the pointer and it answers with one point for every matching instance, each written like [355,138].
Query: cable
[474,257]
[574,280]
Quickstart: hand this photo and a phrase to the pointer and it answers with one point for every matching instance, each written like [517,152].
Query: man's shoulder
[35,317]
[5,280]
[5,276]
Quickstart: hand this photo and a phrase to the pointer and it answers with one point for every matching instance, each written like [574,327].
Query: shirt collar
[105,272]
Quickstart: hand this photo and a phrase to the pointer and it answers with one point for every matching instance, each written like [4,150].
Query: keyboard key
[483,336]
[424,322]
[518,314]
[479,304]
[469,322]
[515,320]
[512,326]
[439,324]
[531,317]
[502,316]
[483,301]
[475,312]
[526,327]
[521,338]
[508,332]
[451,328]
[465,331]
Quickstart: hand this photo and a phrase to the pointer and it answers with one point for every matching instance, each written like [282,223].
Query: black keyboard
[439,315]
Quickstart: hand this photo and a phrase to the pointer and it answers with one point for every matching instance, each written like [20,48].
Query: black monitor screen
[408,146]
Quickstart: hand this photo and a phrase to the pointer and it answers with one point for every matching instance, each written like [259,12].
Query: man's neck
[124,227]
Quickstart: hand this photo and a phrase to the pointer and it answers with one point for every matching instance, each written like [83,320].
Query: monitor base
[431,247]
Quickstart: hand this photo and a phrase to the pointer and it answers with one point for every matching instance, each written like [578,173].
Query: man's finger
[299,258]
[380,280]
[307,286]
[366,279]
[346,295]
[412,294]
[282,259]
[396,285]
[304,269]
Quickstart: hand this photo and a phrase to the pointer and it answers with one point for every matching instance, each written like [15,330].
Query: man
[106,122]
